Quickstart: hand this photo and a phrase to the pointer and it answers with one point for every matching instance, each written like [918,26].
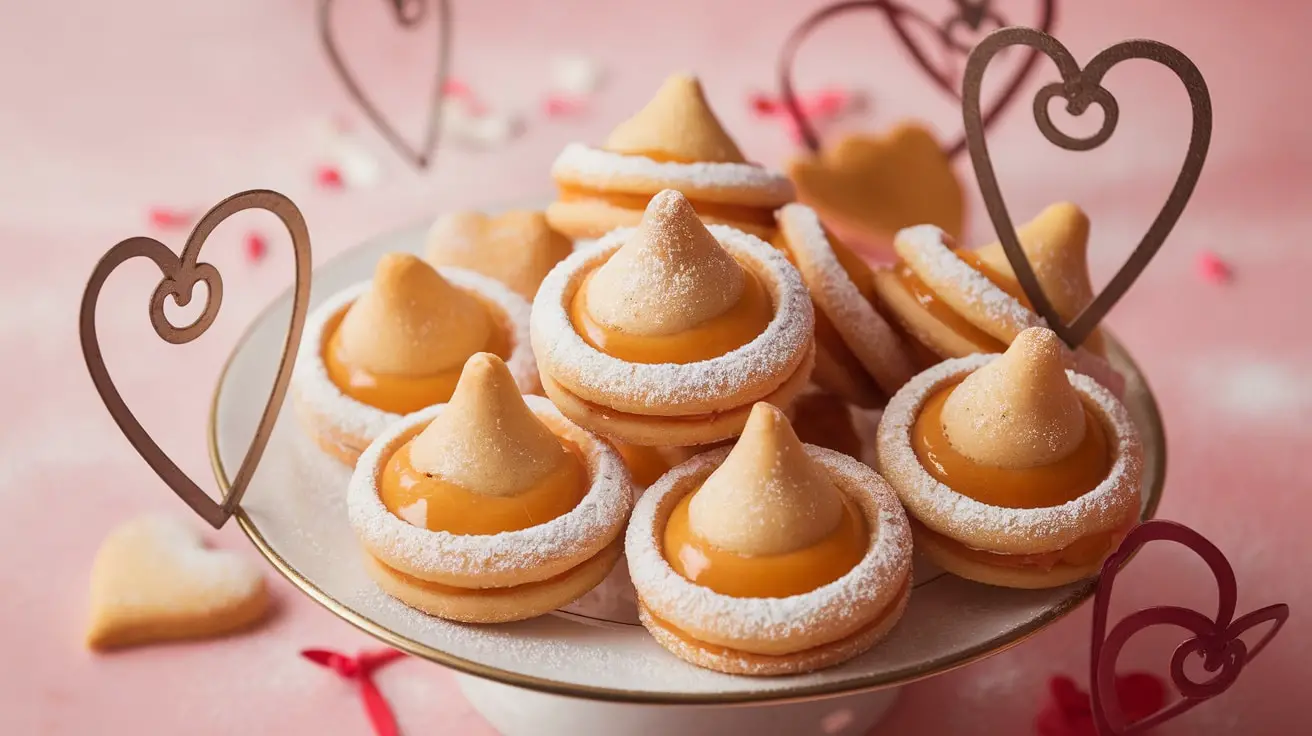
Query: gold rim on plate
[1154,437]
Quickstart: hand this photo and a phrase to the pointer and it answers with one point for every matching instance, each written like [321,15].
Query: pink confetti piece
[328,176]
[821,106]
[1213,270]
[457,89]
[167,218]
[255,247]
[563,105]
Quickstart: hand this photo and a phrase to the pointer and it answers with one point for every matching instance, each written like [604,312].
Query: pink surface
[113,107]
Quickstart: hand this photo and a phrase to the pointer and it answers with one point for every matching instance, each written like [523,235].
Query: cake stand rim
[1155,436]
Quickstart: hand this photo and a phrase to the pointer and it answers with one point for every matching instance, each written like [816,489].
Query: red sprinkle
[561,105]
[1069,711]
[166,218]
[458,90]
[255,246]
[328,177]
[1213,270]
[763,105]
[455,88]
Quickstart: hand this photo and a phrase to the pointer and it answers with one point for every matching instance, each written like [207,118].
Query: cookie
[154,580]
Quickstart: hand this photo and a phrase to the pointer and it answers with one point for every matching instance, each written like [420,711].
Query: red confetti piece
[328,177]
[763,105]
[1213,270]
[1069,711]
[561,105]
[819,106]
[255,247]
[458,90]
[166,218]
[361,669]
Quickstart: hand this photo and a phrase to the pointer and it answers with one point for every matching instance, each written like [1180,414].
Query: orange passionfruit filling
[396,393]
[719,335]
[645,464]
[1013,488]
[431,502]
[765,576]
[758,216]
[935,306]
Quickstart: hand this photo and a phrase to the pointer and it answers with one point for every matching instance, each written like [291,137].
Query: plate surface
[295,513]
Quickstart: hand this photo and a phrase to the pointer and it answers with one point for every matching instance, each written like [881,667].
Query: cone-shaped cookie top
[487,440]
[1019,411]
[1056,243]
[671,274]
[768,496]
[676,125]
[412,322]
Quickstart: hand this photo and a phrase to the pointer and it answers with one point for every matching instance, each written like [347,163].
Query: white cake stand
[592,669]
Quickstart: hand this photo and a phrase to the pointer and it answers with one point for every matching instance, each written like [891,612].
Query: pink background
[112,107]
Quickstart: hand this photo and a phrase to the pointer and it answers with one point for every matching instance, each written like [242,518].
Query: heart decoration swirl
[969,16]
[180,275]
[1081,89]
[409,15]
[1216,640]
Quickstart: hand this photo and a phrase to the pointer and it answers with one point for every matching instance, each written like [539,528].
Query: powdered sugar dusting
[828,612]
[1005,530]
[731,183]
[578,534]
[171,566]
[865,332]
[747,373]
[317,395]
[961,287]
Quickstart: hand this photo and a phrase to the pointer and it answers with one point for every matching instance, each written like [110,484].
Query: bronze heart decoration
[970,15]
[1217,640]
[409,14]
[1082,88]
[180,276]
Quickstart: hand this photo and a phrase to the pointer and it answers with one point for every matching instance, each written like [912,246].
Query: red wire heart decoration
[180,275]
[1082,88]
[409,15]
[1217,640]
[969,15]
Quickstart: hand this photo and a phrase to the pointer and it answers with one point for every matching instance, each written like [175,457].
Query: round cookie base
[343,448]
[998,576]
[672,431]
[738,662]
[498,605]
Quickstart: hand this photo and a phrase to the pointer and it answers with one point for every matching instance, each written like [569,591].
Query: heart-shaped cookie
[1082,88]
[867,187]
[1217,640]
[153,580]
[181,273]
[409,14]
[517,248]
[912,27]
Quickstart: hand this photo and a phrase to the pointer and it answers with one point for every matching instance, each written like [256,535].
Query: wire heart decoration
[409,15]
[1216,639]
[1082,88]
[968,15]
[180,274]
